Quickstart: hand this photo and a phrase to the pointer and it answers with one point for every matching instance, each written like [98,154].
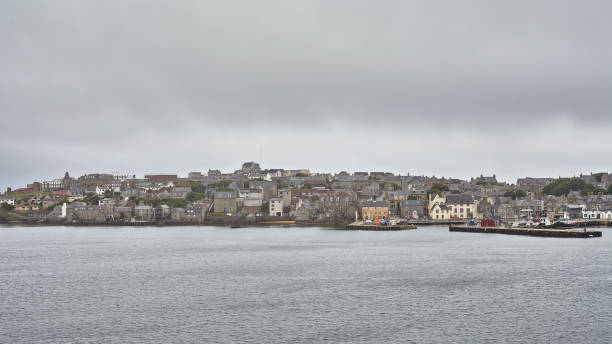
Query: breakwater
[555,233]
[365,227]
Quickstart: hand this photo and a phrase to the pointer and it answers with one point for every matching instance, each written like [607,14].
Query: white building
[251,197]
[100,190]
[453,206]
[64,210]
[7,199]
[276,206]
[596,214]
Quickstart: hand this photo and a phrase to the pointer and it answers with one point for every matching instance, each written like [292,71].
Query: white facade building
[276,206]
[7,199]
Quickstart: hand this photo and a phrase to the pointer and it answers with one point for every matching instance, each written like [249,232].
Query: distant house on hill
[7,199]
[26,206]
[161,178]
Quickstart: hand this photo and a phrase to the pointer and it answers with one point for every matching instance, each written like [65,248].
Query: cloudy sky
[445,88]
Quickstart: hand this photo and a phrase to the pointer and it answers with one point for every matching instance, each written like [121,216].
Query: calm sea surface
[207,284]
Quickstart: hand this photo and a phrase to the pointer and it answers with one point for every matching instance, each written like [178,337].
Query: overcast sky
[445,88]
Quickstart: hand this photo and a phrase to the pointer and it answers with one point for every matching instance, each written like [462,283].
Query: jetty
[277,222]
[360,226]
[542,232]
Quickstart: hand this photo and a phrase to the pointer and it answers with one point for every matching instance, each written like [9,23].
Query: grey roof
[224,195]
[459,199]
[143,207]
[412,202]
[374,204]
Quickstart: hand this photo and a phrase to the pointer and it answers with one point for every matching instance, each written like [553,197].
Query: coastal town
[252,194]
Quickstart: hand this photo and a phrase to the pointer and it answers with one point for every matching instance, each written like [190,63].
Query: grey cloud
[120,79]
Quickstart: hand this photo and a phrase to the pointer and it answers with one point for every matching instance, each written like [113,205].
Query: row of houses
[314,196]
[438,207]
[82,212]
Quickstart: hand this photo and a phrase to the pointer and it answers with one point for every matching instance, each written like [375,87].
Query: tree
[6,206]
[563,186]
[437,189]
[514,194]
[91,199]
[590,189]
[194,196]
[441,187]
[199,188]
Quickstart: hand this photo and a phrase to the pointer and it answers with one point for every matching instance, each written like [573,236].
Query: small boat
[235,225]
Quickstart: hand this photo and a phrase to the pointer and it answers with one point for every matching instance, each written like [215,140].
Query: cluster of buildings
[252,192]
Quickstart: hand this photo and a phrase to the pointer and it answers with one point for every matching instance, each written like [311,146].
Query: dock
[276,222]
[359,226]
[553,233]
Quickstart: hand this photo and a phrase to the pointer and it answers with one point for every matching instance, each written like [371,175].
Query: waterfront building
[452,206]
[414,208]
[371,210]
[276,206]
[225,202]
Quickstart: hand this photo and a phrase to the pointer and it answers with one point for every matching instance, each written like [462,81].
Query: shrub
[515,193]
[563,186]
[7,207]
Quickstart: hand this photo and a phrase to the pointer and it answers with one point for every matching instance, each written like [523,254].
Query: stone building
[414,208]
[225,202]
[371,210]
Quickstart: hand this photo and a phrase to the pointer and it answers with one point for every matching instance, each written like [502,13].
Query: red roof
[28,204]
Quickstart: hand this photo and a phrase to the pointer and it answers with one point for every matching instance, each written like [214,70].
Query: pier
[365,227]
[554,233]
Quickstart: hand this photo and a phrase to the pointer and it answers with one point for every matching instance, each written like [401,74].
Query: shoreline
[172,224]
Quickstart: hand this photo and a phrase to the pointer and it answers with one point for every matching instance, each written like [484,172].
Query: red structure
[487,222]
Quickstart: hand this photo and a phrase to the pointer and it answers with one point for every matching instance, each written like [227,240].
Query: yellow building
[371,210]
